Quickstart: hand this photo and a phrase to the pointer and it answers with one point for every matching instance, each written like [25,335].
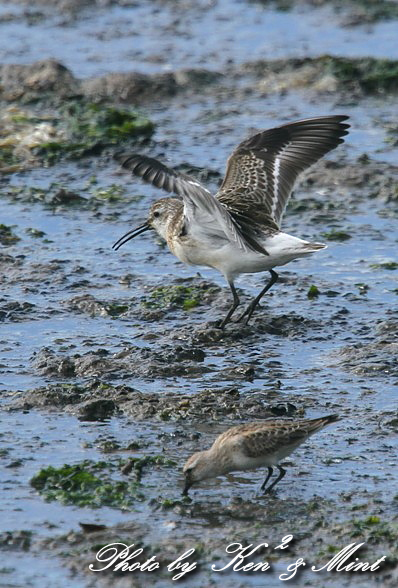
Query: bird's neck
[222,458]
[174,221]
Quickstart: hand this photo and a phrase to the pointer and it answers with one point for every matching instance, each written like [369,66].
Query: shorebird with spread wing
[237,231]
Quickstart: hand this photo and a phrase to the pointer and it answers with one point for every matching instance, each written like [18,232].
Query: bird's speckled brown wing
[262,170]
[259,438]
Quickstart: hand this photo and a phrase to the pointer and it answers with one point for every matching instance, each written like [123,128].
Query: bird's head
[160,214]
[198,467]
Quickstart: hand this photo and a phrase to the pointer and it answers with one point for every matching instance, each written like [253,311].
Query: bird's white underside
[231,261]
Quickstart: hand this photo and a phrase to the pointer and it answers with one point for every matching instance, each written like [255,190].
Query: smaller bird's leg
[186,488]
[282,472]
[250,309]
[270,472]
[235,304]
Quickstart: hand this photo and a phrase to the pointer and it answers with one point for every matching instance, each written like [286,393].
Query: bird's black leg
[282,472]
[250,309]
[270,472]
[235,304]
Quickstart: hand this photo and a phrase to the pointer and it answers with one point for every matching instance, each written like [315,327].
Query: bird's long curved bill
[130,235]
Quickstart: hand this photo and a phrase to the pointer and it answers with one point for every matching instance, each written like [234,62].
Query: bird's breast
[193,252]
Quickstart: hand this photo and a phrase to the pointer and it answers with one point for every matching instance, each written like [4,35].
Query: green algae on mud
[336,235]
[388,265]
[91,127]
[112,193]
[368,10]
[35,233]
[137,464]
[371,530]
[360,76]
[116,309]
[372,75]
[8,159]
[313,292]
[16,539]
[90,483]
[7,236]
[178,296]
[76,129]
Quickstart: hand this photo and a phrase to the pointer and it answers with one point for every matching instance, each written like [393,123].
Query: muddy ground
[113,368]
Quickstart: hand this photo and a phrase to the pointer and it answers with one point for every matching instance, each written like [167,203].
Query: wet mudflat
[113,370]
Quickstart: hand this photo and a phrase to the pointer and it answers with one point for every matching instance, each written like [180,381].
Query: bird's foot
[246,314]
[269,492]
[217,324]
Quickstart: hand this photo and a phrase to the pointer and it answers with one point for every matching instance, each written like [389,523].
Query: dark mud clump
[15,311]
[131,362]
[88,304]
[131,88]
[31,82]
[98,400]
[7,236]
[15,540]
[50,80]
[380,180]
[138,88]
[376,358]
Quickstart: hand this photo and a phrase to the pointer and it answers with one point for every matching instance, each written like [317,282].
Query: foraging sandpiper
[237,231]
[250,446]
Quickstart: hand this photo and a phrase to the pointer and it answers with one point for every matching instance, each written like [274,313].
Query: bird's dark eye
[156,214]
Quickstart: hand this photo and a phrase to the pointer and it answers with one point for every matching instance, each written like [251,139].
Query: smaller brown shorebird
[237,231]
[253,445]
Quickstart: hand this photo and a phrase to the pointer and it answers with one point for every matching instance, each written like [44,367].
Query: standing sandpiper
[237,230]
[251,446]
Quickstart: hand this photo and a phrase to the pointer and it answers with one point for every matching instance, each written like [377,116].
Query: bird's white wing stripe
[199,185]
[276,172]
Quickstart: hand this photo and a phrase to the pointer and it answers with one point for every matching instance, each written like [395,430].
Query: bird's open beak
[131,235]
[186,488]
